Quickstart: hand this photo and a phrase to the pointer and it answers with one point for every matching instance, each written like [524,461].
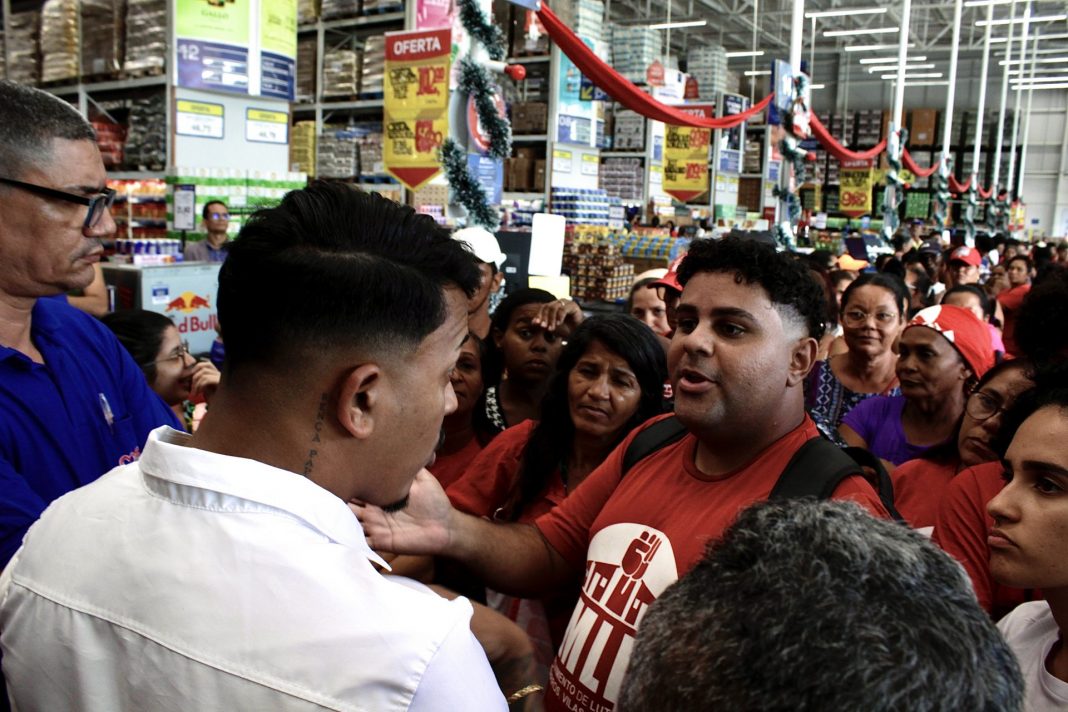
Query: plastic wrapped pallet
[341,73]
[584,17]
[102,35]
[146,36]
[302,147]
[59,40]
[633,49]
[146,141]
[306,69]
[339,9]
[23,39]
[371,7]
[337,153]
[708,65]
[373,71]
[110,138]
[369,141]
[307,11]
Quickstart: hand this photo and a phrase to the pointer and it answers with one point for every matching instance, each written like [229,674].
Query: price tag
[561,161]
[185,212]
[590,164]
[263,126]
[201,119]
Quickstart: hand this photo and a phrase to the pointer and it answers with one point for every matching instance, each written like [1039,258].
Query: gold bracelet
[520,694]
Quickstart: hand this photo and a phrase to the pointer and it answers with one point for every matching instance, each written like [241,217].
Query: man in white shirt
[224,570]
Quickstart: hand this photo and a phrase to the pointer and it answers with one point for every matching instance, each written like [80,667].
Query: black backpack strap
[819,466]
[658,435]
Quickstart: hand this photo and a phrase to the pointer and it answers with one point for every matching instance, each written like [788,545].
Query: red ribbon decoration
[955,186]
[838,150]
[623,90]
[985,194]
[910,163]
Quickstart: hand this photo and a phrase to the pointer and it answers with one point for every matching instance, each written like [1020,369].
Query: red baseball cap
[968,255]
[961,328]
[671,279]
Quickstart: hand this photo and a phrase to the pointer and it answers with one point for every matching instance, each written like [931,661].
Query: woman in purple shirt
[942,353]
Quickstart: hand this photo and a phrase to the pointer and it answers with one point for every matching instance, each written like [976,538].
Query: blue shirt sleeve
[19,508]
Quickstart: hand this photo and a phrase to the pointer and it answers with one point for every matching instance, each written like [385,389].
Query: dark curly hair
[890,282]
[551,440]
[785,280]
[1040,332]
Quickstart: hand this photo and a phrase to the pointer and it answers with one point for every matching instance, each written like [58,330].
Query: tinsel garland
[941,184]
[969,213]
[481,29]
[895,187]
[793,157]
[466,189]
[475,80]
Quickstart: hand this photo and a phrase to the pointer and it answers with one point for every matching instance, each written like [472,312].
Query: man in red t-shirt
[748,323]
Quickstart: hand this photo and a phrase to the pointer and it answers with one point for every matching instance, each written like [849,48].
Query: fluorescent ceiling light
[865,48]
[1037,70]
[984,3]
[921,75]
[746,53]
[891,60]
[674,25]
[846,12]
[1040,80]
[757,72]
[868,31]
[1041,60]
[817,86]
[942,83]
[1018,20]
[893,67]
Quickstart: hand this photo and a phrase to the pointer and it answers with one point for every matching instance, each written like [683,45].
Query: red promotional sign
[654,75]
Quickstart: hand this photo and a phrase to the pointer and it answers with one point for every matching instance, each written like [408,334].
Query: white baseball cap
[482,244]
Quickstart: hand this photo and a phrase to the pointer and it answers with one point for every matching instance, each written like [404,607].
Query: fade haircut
[30,120]
[810,606]
[335,268]
[796,296]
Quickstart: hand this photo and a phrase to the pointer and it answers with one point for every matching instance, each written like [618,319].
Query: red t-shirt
[636,535]
[449,468]
[918,488]
[962,527]
[1011,300]
[490,479]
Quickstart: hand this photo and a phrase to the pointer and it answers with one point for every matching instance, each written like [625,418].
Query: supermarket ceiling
[741,25]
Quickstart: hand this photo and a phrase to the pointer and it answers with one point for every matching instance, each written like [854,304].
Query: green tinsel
[895,188]
[941,185]
[466,190]
[481,29]
[476,81]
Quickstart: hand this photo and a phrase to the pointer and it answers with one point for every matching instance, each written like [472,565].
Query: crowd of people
[777,481]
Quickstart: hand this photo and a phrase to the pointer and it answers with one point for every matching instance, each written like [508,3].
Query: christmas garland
[895,187]
[793,157]
[941,181]
[475,80]
[466,190]
[481,29]
[969,213]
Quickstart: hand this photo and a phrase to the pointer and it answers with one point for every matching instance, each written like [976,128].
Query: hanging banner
[278,48]
[856,180]
[686,157]
[415,117]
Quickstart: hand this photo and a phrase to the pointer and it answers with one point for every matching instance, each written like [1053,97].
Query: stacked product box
[337,153]
[622,177]
[734,83]
[306,69]
[708,65]
[581,206]
[22,35]
[530,117]
[102,31]
[633,49]
[869,127]
[146,139]
[267,188]
[307,11]
[628,131]
[146,36]
[341,73]
[371,7]
[110,138]
[338,9]
[227,185]
[529,38]
[584,17]
[650,245]
[302,147]
[373,72]
[595,263]
[59,41]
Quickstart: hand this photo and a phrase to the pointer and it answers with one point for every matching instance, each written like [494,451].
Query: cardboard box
[530,117]
[521,171]
[922,127]
[539,176]
[526,153]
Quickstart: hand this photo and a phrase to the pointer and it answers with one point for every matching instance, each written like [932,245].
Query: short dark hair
[493,366]
[984,300]
[141,333]
[640,284]
[204,213]
[864,615]
[1040,332]
[786,281]
[890,282]
[550,442]
[30,120]
[1051,388]
[1021,258]
[333,267]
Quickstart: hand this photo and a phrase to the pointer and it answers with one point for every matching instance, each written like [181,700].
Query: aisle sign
[198,118]
[686,157]
[185,207]
[416,101]
[262,126]
[855,179]
[490,175]
[731,141]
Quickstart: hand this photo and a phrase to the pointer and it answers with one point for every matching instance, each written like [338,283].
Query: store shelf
[622,154]
[536,138]
[136,175]
[358,105]
[529,60]
[118,85]
[513,197]
[386,18]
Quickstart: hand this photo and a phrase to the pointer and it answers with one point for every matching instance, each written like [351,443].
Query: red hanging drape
[955,186]
[910,163]
[985,194]
[838,150]
[622,89]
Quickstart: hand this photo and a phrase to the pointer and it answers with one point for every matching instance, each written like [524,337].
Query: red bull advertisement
[186,293]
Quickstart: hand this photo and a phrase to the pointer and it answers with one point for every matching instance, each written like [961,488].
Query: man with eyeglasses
[73,404]
[213,248]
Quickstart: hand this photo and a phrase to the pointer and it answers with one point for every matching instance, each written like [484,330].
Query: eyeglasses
[97,203]
[219,216]
[179,354]
[982,406]
[855,318]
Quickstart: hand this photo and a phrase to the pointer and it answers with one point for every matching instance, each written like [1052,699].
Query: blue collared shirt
[66,422]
